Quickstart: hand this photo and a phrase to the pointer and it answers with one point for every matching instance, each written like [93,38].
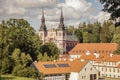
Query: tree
[6,65]
[116,38]
[16,56]
[19,34]
[112,7]
[39,57]
[105,34]
[79,35]
[50,49]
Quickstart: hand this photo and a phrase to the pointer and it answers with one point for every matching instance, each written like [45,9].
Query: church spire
[43,26]
[61,25]
[61,17]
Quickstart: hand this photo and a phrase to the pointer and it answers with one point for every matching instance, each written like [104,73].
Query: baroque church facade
[58,36]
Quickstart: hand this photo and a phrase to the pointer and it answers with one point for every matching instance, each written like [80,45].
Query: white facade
[108,69]
[85,73]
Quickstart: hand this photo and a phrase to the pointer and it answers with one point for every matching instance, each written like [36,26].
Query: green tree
[96,31]
[50,49]
[16,56]
[106,35]
[39,57]
[116,38]
[6,65]
[79,35]
[19,34]
[25,59]
[112,7]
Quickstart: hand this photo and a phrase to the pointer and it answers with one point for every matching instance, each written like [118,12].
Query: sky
[74,11]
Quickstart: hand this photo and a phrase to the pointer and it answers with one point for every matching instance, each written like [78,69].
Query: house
[58,36]
[66,70]
[101,56]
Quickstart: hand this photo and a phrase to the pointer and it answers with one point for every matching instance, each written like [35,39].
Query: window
[106,51]
[102,69]
[118,70]
[103,51]
[113,70]
[59,34]
[76,51]
[106,69]
[110,69]
[79,51]
[90,69]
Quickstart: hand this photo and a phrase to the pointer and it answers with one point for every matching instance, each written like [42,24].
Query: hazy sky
[75,11]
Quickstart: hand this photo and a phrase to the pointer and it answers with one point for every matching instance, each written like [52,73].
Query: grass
[112,79]
[10,77]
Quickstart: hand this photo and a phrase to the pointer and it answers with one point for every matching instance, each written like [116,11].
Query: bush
[24,72]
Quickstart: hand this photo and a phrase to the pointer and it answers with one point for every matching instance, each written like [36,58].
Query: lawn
[9,77]
[111,79]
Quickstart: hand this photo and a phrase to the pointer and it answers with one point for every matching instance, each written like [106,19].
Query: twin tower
[57,36]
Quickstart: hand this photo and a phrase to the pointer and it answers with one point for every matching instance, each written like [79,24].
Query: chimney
[88,53]
[111,55]
[82,60]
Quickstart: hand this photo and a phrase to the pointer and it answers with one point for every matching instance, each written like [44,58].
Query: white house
[67,70]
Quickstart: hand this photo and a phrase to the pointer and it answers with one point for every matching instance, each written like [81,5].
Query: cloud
[74,11]
[101,17]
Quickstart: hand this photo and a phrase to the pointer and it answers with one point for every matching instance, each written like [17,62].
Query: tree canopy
[113,7]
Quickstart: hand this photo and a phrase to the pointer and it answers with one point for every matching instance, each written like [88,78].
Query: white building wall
[74,76]
[84,74]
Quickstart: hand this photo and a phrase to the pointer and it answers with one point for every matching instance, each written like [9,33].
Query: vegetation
[10,77]
[20,46]
[113,7]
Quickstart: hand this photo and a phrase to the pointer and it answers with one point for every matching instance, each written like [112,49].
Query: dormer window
[79,51]
[103,51]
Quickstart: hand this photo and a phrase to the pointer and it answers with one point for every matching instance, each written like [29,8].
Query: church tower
[61,33]
[43,29]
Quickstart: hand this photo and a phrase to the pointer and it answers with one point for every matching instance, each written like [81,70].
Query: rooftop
[59,67]
[102,48]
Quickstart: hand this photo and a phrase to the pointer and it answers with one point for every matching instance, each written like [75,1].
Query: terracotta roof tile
[58,70]
[82,48]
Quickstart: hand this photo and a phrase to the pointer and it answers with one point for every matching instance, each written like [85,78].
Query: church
[59,36]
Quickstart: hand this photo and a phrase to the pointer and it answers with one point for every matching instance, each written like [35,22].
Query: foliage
[50,49]
[6,65]
[10,77]
[113,7]
[17,33]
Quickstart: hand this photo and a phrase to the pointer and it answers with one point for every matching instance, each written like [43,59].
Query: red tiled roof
[102,57]
[74,66]
[82,48]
